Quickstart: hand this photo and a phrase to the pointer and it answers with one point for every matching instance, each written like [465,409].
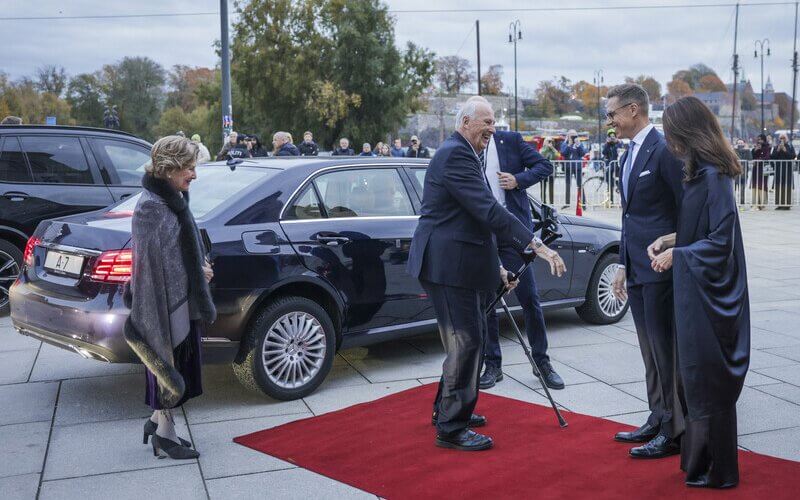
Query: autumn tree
[553,97]
[492,80]
[678,88]
[184,81]
[711,83]
[649,84]
[587,95]
[453,73]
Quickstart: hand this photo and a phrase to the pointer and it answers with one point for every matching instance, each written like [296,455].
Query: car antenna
[232,162]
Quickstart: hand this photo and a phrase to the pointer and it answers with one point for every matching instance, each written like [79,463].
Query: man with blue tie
[454,255]
[651,189]
[512,166]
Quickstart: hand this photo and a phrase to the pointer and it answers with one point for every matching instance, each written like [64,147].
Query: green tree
[85,96]
[419,68]
[136,86]
[51,78]
[326,65]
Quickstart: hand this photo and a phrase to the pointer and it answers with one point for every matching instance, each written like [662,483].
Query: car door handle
[125,196]
[331,239]
[15,195]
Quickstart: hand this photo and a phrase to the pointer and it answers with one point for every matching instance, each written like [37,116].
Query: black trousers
[462,327]
[652,308]
[528,297]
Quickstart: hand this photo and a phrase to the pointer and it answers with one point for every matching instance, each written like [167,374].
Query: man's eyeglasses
[610,114]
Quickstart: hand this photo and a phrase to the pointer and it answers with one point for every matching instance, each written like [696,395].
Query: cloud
[574,44]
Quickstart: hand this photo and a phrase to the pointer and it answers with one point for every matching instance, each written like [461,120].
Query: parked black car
[53,171]
[309,257]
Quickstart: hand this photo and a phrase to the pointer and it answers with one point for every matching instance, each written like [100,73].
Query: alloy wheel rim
[9,272]
[609,303]
[293,350]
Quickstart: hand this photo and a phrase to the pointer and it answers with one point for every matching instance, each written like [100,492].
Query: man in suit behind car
[512,166]
[454,255]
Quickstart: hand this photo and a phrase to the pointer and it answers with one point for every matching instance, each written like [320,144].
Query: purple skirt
[188,362]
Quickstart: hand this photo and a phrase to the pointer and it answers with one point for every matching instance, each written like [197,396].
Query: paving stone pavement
[70,428]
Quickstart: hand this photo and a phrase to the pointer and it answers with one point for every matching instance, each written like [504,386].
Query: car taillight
[27,256]
[113,266]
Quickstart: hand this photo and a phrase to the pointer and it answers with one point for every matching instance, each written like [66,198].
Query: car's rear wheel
[10,265]
[289,349]
[602,307]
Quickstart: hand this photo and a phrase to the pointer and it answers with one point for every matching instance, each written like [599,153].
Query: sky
[573,43]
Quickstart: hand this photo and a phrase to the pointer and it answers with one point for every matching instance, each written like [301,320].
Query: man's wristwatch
[537,243]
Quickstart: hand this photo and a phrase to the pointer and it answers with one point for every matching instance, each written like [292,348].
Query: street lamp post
[227,107]
[759,51]
[598,81]
[515,34]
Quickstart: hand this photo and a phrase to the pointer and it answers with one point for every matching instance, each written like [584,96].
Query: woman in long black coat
[710,291]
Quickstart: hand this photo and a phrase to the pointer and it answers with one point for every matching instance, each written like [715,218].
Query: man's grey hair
[631,92]
[469,108]
[11,120]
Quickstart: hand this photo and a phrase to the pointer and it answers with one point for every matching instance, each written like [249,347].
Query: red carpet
[386,447]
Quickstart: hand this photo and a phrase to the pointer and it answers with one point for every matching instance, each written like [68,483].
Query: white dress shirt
[633,151]
[492,169]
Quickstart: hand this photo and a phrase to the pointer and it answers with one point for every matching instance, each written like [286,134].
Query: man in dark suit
[651,189]
[512,166]
[454,255]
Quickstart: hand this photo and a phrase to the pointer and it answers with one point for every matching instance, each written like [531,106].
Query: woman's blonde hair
[170,154]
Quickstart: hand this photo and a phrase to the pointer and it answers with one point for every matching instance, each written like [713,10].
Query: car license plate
[63,263]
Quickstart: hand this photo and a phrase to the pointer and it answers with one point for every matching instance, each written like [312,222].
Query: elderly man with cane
[454,255]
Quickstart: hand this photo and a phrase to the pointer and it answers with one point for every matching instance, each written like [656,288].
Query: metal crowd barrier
[762,184]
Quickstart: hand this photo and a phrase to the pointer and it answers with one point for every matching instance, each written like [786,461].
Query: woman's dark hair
[693,134]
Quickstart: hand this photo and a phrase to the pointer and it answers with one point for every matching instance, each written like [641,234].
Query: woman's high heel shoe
[150,429]
[174,450]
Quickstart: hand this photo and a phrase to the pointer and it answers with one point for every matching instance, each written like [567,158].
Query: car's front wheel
[289,349]
[602,307]
[10,265]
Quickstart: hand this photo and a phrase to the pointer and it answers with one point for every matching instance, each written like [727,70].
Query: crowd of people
[249,146]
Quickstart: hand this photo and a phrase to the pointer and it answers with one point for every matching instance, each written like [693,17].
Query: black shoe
[465,440]
[474,420]
[641,435]
[172,449]
[150,429]
[491,375]
[659,447]
[551,378]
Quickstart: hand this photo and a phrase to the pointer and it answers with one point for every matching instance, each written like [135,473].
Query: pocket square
[646,172]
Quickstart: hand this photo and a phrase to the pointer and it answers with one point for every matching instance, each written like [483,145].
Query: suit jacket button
[627,215]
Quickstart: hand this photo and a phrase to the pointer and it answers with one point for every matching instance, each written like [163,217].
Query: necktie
[626,170]
[482,158]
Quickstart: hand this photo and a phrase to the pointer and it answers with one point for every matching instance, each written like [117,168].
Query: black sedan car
[309,257]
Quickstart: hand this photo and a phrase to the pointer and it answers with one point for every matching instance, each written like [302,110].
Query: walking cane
[528,257]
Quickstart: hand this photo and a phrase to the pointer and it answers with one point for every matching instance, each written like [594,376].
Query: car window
[214,185]
[127,159]
[419,173]
[364,193]
[306,206]
[12,163]
[57,160]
